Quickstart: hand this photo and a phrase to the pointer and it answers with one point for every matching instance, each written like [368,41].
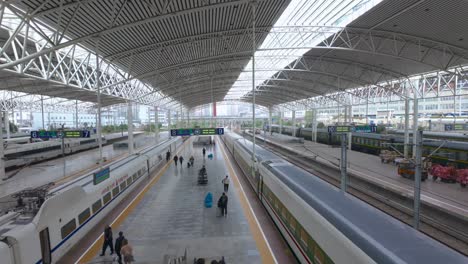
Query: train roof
[260,153]
[382,237]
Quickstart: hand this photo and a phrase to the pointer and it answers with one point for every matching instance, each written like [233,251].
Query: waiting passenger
[225,182]
[202,171]
[192,160]
[127,252]
[181,159]
[168,155]
[222,204]
[118,245]
[175,160]
[204,151]
[107,240]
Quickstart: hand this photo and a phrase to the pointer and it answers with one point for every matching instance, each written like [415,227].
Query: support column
[130,128]
[76,114]
[314,125]
[2,154]
[156,123]
[98,121]
[254,47]
[294,123]
[7,124]
[415,123]
[350,120]
[188,119]
[42,112]
[417,177]
[406,146]
[281,122]
[270,121]
[169,121]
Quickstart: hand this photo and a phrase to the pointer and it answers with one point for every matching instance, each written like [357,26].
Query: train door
[46,252]
[260,188]
[148,166]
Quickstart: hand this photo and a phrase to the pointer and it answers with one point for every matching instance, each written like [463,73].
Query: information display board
[348,129]
[197,131]
[58,134]
[101,176]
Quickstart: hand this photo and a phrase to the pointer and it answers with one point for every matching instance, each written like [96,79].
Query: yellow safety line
[93,250]
[263,246]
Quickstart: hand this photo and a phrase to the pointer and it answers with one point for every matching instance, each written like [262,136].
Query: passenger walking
[181,159]
[175,160]
[192,160]
[222,204]
[225,182]
[118,246]
[127,252]
[168,155]
[204,151]
[107,240]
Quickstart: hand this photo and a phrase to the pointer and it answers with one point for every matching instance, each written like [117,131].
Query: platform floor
[444,194]
[171,217]
[76,164]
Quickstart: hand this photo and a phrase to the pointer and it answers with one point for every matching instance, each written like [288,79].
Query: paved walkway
[171,217]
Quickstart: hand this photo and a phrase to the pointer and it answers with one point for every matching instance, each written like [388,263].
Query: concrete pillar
[314,125]
[7,124]
[188,120]
[406,142]
[281,122]
[130,128]
[156,123]
[270,121]
[42,113]
[169,120]
[415,123]
[350,120]
[294,123]
[76,114]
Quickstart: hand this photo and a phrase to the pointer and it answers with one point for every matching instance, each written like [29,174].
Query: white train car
[19,155]
[322,224]
[75,208]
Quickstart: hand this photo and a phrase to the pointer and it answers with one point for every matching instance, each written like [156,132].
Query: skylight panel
[303,25]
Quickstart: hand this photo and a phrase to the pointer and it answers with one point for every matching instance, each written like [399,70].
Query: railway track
[449,229]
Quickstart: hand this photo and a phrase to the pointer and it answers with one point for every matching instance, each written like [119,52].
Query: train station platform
[448,196]
[169,219]
[76,164]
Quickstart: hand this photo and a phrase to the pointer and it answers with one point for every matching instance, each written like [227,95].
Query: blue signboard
[59,134]
[197,131]
[101,176]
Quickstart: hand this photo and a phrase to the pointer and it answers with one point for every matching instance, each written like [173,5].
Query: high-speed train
[74,209]
[22,154]
[325,225]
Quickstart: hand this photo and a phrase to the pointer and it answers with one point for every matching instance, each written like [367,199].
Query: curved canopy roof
[194,51]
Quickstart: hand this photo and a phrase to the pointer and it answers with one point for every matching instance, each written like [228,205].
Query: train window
[135,176]
[292,224]
[84,216]
[96,206]
[319,255]
[129,180]
[311,244]
[304,238]
[123,185]
[115,191]
[45,246]
[107,197]
[68,228]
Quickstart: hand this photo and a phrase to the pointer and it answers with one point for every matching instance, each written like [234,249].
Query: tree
[320,125]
